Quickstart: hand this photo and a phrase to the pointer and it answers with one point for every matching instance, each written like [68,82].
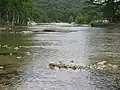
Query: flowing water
[27,67]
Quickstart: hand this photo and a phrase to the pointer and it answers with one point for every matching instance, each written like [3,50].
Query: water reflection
[31,72]
[12,57]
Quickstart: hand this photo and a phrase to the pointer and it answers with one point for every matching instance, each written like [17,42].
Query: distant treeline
[19,12]
[58,10]
[78,11]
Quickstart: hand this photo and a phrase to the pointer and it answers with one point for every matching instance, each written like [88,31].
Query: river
[27,67]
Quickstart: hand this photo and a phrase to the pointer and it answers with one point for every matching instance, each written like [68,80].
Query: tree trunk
[18,18]
[13,19]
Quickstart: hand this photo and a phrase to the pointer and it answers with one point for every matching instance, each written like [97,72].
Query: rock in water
[5,46]
[19,57]
[1,67]
[26,32]
[16,48]
[11,54]
[28,53]
[51,65]
[115,67]
[49,30]
[101,63]
[72,61]
[100,66]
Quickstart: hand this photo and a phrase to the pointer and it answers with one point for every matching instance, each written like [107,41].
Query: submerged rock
[115,67]
[74,67]
[1,67]
[20,46]
[28,53]
[11,54]
[5,46]
[51,65]
[3,28]
[56,29]
[65,66]
[104,66]
[49,30]
[26,32]
[16,48]
[101,63]
[72,61]
[19,57]
[8,53]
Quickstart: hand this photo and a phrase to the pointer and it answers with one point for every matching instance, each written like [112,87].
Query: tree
[109,8]
[70,20]
[17,11]
[59,10]
[80,19]
[91,12]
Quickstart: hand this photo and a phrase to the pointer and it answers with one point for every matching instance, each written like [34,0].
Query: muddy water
[27,67]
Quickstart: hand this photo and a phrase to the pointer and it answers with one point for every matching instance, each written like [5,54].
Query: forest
[19,12]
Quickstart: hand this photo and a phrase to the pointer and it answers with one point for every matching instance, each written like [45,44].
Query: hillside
[58,10]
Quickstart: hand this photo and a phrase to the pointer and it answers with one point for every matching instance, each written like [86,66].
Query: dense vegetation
[18,12]
[58,10]
[101,10]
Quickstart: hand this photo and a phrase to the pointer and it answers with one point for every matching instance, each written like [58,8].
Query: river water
[27,67]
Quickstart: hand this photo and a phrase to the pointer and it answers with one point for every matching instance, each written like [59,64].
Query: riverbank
[63,24]
[56,24]
[51,25]
[56,27]
[106,25]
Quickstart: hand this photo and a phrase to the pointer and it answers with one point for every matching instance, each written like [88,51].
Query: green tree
[59,10]
[109,8]
[17,11]
[91,12]
[80,19]
[71,19]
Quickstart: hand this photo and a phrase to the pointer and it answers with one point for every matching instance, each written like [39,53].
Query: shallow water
[27,68]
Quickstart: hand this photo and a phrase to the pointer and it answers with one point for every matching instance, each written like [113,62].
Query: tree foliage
[17,11]
[108,9]
[71,19]
[58,10]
